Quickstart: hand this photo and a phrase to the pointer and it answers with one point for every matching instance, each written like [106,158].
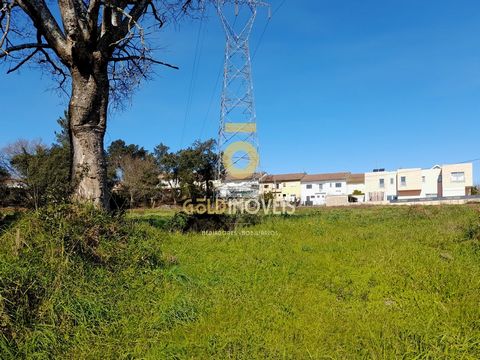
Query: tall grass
[380,283]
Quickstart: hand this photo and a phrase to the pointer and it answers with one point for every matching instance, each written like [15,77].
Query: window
[284,184]
[338,185]
[265,186]
[423,179]
[458,177]
[403,181]
[382,183]
[392,181]
[309,186]
[277,186]
[320,186]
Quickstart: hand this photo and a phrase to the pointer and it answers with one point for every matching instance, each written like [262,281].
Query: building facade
[356,186]
[283,187]
[456,179]
[409,184]
[380,186]
[317,188]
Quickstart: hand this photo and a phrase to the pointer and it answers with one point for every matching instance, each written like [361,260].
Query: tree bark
[88,118]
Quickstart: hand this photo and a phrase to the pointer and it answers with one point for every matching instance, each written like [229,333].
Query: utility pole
[237,135]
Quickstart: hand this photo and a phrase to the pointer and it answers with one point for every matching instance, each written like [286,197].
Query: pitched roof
[326,177]
[356,179]
[283,177]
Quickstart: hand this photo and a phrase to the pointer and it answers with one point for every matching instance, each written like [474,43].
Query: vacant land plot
[333,283]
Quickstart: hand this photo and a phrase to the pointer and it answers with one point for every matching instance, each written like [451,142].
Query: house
[431,182]
[380,186]
[356,185]
[416,183]
[286,187]
[439,181]
[456,179]
[234,188]
[12,183]
[318,187]
[409,183]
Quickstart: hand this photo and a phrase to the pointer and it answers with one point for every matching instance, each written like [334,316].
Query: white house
[316,188]
[380,186]
[416,183]
[356,185]
[456,179]
[232,188]
[431,182]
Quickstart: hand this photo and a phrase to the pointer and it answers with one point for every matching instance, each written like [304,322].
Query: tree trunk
[88,120]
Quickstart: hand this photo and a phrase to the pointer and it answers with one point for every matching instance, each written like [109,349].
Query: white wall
[452,187]
[430,182]
[321,189]
[372,184]
[352,187]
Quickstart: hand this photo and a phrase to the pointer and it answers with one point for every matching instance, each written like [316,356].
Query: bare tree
[97,46]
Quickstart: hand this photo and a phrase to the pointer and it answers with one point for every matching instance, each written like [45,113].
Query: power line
[266,27]
[279,7]
[195,66]
[212,97]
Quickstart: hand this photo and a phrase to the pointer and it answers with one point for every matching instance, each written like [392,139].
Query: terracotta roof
[283,177]
[356,179]
[326,177]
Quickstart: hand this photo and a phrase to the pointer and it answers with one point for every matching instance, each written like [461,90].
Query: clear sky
[340,85]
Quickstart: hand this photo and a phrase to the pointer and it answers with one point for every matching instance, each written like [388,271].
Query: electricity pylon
[237,136]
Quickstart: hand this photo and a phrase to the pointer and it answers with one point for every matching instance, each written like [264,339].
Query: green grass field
[382,283]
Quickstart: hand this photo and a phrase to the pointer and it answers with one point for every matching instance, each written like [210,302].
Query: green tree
[43,170]
[168,165]
[133,171]
[102,48]
[189,172]
[45,173]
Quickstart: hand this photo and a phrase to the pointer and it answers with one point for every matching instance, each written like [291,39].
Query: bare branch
[6,11]
[130,58]
[44,21]
[19,65]
[9,50]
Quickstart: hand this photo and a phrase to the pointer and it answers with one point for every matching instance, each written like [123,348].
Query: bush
[60,268]
[184,222]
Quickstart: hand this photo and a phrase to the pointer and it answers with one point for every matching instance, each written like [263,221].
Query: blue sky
[339,84]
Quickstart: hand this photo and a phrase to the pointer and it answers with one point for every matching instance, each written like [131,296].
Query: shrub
[59,270]
[184,222]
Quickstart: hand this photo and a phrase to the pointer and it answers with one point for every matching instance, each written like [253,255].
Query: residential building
[12,183]
[416,183]
[456,179]
[234,188]
[317,188]
[431,182]
[409,183]
[286,187]
[355,184]
[380,186]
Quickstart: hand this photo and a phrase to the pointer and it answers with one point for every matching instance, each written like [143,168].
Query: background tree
[4,174]
[167,163]
[192,170]
[43,171]
[140,179]
[133,171]
[102,49]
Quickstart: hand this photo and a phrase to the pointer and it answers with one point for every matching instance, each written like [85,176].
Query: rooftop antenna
[238,122]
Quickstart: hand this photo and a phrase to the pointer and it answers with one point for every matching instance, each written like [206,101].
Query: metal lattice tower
[238,121]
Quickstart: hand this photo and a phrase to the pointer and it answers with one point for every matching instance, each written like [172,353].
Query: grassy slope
[335,283]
